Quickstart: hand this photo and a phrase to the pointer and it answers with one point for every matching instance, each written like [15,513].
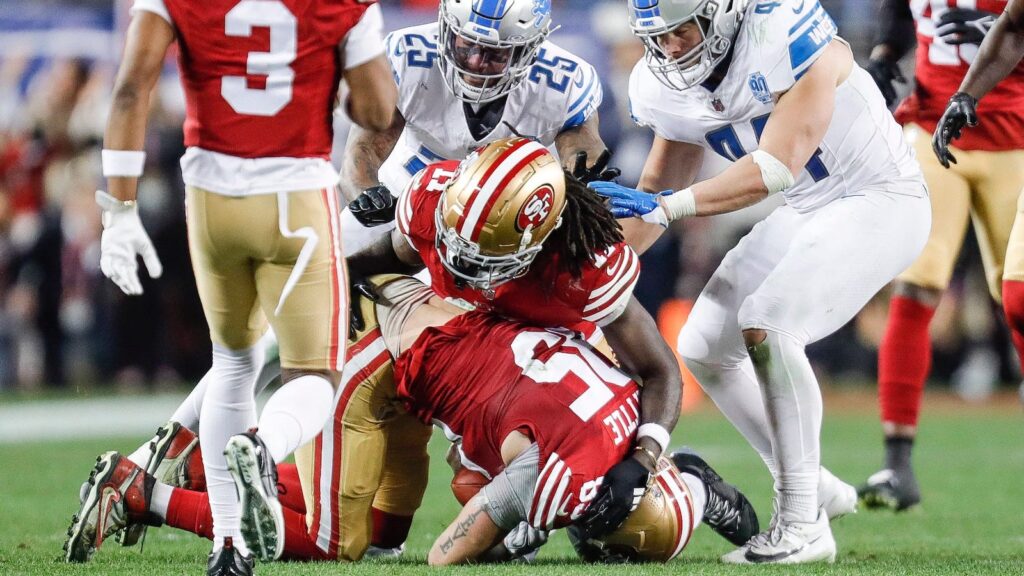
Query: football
[466,484]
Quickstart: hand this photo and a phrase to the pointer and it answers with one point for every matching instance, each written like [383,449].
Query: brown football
[466,484]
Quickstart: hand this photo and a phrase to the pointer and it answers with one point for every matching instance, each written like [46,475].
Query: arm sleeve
[615,277]
[406,210]
[155,6]
[896,28]
[507,498]
[365,40]
[585,95]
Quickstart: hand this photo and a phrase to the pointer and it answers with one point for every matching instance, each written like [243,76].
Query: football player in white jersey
[768,85]
[485,71]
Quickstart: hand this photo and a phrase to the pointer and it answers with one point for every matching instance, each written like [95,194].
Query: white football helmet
[488,46]
[718,22]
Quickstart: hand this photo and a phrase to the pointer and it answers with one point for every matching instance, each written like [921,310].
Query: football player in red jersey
[261,80]
[543,419]
[507,231]
[982,184]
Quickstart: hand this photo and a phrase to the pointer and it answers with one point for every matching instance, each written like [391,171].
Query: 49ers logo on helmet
[535,210]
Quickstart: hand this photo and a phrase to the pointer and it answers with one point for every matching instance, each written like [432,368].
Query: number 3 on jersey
[274,64]
[727,144]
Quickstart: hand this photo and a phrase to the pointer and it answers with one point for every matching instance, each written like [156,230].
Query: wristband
[655,432]
[775,175]
[680,204]
[122,163]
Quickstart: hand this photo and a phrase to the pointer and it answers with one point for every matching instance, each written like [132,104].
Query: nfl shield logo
[759,86]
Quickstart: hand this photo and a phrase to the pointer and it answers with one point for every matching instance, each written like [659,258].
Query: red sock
[289,489]
[904,359]
[389,530]
[190,511]
[1013,307]
[194,471]
[298,544]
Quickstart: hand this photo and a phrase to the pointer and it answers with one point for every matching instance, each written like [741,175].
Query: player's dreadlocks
[588,227]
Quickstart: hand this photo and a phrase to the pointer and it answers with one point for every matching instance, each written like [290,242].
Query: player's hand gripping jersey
[940,69]
[778,41]
[545,295]
[253,74]
[481,378]
[560,92]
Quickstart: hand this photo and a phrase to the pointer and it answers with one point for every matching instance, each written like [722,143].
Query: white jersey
[561,91]
[777,43]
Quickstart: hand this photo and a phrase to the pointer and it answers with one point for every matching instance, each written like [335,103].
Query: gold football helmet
[500,207]
[657,531]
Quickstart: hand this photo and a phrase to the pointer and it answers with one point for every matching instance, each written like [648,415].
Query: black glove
[959,112]
[964,26]
[884,72]
[598,172]
[358,287]
[375,206]
[620,493]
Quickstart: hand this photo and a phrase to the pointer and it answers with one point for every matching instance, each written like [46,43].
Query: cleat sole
[262,518]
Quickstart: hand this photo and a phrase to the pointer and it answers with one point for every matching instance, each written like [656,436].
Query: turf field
[971,467]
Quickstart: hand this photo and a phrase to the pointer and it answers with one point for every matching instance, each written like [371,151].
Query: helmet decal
[537,209]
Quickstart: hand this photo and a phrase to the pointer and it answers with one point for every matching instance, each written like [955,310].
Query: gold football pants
[984,187]
[244,253]
[371,453]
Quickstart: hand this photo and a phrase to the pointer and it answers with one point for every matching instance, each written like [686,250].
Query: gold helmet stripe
[502,169]
[672,482]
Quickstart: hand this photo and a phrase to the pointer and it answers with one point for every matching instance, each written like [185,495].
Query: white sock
[188,412]
[228,409]
[295,414]
[793,400]
[161,499]
[699,493]
[141,455]
[734,389]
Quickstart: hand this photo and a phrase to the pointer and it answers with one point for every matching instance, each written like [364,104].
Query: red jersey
[545,295]
[481,377]
[261,76]
[941,68]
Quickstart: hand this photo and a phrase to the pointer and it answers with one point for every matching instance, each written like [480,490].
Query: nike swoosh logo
[755,558]
[799,8]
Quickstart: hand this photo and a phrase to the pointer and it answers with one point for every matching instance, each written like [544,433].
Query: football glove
[599,172]
[375,206]
[627,202]
[884,72]
[124,239]
[961,111]
[964,26]
[620,493]
[524,540]
[358,287]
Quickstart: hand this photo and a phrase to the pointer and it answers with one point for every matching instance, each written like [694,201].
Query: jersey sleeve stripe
[807,44]
[405,212]
[554,503]
[545,484]
[625,266]
[154,6]
[603,314]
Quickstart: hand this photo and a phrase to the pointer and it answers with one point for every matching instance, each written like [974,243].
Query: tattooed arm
[472,535]
[365,151]
[584,138]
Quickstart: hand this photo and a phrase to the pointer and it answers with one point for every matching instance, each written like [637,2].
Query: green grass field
[970,464]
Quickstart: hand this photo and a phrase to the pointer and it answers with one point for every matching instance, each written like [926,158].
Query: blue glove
[627,202]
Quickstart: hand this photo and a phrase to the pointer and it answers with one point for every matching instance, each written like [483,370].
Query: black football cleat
[727,511]
[895,489]
[255,475]
[228,561]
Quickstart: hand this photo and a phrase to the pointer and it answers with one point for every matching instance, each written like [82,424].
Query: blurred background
[65,327]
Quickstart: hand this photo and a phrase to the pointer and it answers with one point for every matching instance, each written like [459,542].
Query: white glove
[524,540]
[122,241]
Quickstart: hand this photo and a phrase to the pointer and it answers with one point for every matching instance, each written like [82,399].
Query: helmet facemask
[717,22]
[480,69]
[463,260]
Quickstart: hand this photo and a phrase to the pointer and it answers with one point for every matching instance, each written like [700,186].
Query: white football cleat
[788,543]
[255,476]
[382,553]
[839,501]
